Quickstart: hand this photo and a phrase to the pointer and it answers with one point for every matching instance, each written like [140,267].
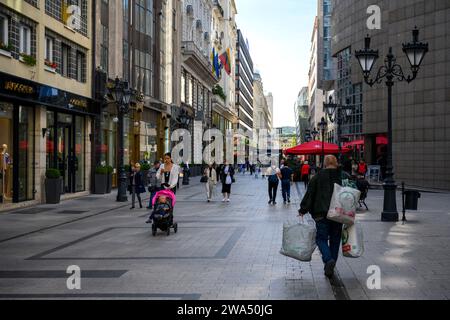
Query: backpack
[273,178]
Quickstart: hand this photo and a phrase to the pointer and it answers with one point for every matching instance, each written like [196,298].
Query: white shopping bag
[299,239]
[343,205]
[352,241]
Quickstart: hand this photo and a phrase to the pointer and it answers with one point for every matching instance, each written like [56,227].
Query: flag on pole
[226,61]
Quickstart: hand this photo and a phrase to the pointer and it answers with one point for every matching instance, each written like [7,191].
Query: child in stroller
[162,215]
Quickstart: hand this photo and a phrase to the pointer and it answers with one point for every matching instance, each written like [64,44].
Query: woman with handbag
[210,180]
[136,185]
[227,179]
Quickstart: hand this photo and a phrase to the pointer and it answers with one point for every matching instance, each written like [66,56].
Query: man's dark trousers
[328,239]
[286,190]
[273,188]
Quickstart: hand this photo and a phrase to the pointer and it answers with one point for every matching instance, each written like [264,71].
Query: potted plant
[109,179]
[53,186]
[5,49]
[50,66]
[29,60]
[100,180]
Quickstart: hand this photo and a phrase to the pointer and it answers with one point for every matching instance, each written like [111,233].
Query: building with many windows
[244,84]
[261,115]
[421,117]
[46,107]
[224,39]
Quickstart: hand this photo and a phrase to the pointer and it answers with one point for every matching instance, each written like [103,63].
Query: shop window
[25,39]
[6,152]
[4,33]
[26,154]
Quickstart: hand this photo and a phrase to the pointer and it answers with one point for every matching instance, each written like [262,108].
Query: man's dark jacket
[320,191]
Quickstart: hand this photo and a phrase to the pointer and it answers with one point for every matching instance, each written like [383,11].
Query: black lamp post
[339,114]
[323,125]
[121,94]
[315,134]
[184,120]
[415,52]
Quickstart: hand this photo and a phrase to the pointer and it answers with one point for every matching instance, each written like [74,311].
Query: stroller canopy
[167,193]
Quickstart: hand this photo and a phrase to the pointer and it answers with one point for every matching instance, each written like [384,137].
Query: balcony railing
[190,47]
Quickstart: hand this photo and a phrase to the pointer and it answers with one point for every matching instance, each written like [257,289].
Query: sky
[279,34]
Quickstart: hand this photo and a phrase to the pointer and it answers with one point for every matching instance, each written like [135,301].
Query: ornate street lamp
[121,95]
[315,133]
[415,51]
[339,114]
[323,125]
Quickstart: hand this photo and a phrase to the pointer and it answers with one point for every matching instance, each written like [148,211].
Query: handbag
[204,179]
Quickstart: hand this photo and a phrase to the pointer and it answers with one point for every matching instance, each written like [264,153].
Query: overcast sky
[279,33]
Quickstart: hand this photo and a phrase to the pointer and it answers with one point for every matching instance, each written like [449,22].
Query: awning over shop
[381,141]
[315,148]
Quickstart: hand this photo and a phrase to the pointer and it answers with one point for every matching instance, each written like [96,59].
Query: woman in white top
[168,174]
[211,174]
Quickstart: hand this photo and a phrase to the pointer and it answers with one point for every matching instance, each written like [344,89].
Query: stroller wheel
[154,230]
[175,227]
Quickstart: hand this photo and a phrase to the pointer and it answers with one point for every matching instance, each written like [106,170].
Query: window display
[6,156]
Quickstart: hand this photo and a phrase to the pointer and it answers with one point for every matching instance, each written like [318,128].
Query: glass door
[65,151]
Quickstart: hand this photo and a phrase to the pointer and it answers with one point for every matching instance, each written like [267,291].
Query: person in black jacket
[227,179]
[136,186]
[317,202]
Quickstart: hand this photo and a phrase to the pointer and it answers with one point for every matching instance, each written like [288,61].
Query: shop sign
[18,87]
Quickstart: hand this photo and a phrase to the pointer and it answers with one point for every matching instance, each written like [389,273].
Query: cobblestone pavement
[414,258]
[222,250]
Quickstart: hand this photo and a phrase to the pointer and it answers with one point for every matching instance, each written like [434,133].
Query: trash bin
[412,199]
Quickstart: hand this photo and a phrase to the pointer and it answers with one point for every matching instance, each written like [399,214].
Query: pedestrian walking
[154,185]
[273,173]
[136,186]
[211,174]
[227,179]
[287,177]
[168,174]
[305,172]
[362,168]
[317,202]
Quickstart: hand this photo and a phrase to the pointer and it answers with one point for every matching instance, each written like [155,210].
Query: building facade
[139,42]
[287,137]
[224,39]
[301,115]
[421,117]
[244,85]
[261,117]
[270,119]
[46,107]
[315,94]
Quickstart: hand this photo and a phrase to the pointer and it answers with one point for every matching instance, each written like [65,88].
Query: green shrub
[145,167]
[52,174]
[101,170]
[110,169]
[28,59]
[218,90]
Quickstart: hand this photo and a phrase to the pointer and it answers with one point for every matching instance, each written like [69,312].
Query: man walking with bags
[317,202]
[287,177]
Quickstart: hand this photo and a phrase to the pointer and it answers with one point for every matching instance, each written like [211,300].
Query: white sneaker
[228,200]
[224,200]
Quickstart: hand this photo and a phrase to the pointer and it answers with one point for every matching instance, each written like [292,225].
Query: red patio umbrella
[315,148]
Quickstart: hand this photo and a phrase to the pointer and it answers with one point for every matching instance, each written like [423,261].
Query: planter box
[5,53]
[100,183]
[109,183]
[53,190]
[49,69]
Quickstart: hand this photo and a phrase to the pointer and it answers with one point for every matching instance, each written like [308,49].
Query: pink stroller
[162,216]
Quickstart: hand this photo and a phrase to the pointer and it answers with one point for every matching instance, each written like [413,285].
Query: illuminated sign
[17,87]
[78,103]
